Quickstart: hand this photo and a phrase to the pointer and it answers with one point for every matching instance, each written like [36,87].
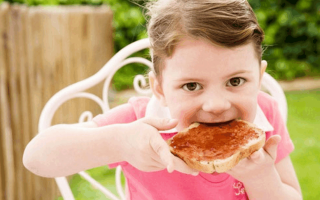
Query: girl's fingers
[256,156]
[157,162]
[161,123]
[161,148]
[181,166]
[271,146]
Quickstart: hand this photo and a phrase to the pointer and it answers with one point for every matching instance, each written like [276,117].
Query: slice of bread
[218,147]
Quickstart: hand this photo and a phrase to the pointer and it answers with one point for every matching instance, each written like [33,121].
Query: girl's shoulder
[139,105]
[267,103]
[128,112]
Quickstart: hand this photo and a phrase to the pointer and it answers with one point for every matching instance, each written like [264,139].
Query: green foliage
[292,38]
[129,24]
[56,2]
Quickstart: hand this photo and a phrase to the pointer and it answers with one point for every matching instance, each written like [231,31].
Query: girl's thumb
[161,123]
[271,146]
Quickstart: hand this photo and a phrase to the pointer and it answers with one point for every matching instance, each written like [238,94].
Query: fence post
[6,129]
[42,50]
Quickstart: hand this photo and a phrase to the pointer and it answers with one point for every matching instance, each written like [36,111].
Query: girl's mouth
[216,123]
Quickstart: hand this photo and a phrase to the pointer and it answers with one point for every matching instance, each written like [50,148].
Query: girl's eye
[191,86]
[235,82]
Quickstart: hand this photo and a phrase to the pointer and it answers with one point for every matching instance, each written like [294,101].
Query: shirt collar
[155,109]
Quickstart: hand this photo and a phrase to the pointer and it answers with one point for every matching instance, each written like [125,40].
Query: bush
[130,26]
[292,38]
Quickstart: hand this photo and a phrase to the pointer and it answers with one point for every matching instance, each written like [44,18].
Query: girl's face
[209,84]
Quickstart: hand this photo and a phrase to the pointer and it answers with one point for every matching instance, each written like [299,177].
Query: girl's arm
[63,150]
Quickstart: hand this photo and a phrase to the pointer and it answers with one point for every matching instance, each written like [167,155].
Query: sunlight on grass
[304,128]
[83,190]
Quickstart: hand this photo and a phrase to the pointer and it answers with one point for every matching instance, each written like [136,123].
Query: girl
[207,68]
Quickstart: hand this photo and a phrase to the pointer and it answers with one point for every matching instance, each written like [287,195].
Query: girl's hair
[227,23]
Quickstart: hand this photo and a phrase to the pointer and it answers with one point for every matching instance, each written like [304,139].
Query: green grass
[82,190]
[304,128]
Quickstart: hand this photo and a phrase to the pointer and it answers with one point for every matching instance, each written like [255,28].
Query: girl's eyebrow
[239,72]
[188,79]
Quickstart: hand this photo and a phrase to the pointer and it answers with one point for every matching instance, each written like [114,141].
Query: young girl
[207,69]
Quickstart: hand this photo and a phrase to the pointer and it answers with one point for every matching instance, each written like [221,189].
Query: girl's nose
[216,104]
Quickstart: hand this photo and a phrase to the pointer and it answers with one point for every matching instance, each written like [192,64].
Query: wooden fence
[42,50]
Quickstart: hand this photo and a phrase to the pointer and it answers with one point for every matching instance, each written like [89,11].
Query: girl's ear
[156,88]
[263,68]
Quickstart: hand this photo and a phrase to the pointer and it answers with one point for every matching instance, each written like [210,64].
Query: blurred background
[46,45]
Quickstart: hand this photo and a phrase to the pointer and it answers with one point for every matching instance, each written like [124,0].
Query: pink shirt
[162,185]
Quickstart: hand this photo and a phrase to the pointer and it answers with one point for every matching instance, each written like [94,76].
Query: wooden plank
[15,105]
[43,72]
[49,78]
[3,98]
[24,96]
[75,29]
[100,45]
[65,56]
[6,132]
[30,82]
[34,86]
[61,54]
[61,49]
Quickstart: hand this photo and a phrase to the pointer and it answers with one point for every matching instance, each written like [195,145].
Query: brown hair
[227,23]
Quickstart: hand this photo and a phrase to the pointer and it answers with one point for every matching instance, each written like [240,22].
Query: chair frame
[106,73]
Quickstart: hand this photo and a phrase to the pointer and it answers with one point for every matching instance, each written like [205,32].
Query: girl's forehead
[204,49]
[194,56]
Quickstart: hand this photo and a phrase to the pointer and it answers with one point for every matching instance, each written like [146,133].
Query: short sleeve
[125,113]
[270,108]
[118,115]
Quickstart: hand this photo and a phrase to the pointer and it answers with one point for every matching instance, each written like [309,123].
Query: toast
[218,147]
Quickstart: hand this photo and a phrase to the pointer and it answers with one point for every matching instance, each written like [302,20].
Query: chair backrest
[106,73]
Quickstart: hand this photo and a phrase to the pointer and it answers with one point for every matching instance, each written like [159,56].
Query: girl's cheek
[185,117]
[250,111]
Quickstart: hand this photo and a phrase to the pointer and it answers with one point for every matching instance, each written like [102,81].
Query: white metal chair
[105,74]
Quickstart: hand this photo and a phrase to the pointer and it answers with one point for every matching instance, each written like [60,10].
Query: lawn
[304,128]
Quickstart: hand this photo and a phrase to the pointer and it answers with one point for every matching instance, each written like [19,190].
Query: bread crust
[221,165]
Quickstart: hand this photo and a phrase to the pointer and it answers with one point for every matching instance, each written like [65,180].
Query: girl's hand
[145,149]
[258,163]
